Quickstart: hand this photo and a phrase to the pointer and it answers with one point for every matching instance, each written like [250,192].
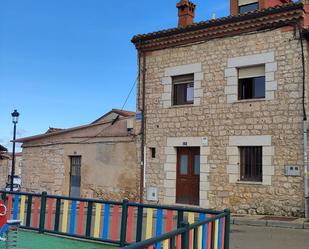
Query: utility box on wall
[152,194]
[292,170]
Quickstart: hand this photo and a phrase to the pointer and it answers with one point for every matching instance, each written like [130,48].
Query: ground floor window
[251,163]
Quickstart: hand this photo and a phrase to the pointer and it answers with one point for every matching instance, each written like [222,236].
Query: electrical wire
[116,119]
[128,96]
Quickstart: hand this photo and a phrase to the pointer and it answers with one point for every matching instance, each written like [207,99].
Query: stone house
[94,160]
[18,163]
[223,109]
[4,163]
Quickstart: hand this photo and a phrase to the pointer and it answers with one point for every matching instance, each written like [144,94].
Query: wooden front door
[188,176]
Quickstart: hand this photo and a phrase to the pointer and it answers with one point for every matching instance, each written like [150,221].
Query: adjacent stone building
[4,163]
[222,109]
[94,160]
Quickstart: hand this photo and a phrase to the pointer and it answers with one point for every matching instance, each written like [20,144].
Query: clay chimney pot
[186,13]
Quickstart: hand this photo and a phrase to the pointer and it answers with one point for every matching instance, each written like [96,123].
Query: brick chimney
[242,6]
[306,14]
[186,13]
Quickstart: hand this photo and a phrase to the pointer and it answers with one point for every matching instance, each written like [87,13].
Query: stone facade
[108,161]
[3,171]
[274,122]
[4,166]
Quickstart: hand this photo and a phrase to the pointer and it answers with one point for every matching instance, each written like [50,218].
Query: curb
[253,221]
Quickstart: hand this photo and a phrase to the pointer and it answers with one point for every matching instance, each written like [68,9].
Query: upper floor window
[183,89]
[251,82]
[247,5]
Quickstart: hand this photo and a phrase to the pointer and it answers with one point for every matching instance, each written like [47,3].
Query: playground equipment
[8,229]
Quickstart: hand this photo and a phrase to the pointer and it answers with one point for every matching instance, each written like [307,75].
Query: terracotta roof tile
[58,131]
[221,27]
[51,130]
[2,148]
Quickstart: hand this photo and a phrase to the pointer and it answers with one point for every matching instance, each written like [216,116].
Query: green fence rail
[120,223]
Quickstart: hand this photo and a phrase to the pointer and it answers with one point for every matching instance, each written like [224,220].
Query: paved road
[250,237]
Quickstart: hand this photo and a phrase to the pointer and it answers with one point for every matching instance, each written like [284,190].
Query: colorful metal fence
[120,223]
[208,233]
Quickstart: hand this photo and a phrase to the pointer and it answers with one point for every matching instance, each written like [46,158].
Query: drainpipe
[305,127]
[143,133]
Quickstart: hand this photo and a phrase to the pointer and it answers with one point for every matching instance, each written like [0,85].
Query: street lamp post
[15,116]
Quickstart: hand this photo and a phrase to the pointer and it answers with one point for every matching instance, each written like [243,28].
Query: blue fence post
[124,219]
[227,229]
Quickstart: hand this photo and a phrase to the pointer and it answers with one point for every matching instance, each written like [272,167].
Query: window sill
[249,100]
[181,106]
[249,183]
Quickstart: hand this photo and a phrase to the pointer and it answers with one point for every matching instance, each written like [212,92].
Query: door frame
[170,153]
[191,176]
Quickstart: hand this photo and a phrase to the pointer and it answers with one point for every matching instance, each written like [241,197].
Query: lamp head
[15,116]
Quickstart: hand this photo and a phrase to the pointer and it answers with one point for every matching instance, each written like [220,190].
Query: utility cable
[117,118]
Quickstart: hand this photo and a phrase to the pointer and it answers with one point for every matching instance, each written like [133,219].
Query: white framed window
[183,89]
[182,86]
[249,76]
[251,82]
[250,159]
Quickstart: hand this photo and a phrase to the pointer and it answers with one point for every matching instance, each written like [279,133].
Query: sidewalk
[269,221]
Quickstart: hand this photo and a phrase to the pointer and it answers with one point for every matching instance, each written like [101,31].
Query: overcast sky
[64,63]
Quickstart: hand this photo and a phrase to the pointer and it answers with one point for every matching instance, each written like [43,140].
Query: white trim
[231,74]
[183,69]
[232,152]
[245,2]
[251,60]
[170,168]
[250,140]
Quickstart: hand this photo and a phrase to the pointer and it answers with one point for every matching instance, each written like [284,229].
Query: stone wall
[278,117]
[43,169]
[3,172]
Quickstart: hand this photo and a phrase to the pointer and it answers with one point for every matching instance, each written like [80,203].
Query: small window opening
[153,152]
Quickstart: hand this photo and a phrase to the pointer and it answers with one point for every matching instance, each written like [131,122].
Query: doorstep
[269,221]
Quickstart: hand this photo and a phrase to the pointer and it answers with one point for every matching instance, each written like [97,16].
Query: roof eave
[139,39]
[45,135]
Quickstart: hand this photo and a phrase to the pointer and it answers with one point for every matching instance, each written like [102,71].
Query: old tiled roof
[16,154]
[126,114]
[122,113]
[52,129]
[2,148]
[227,26]
[3,152]
[4,155]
